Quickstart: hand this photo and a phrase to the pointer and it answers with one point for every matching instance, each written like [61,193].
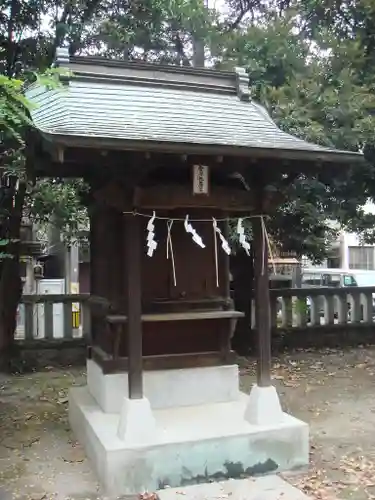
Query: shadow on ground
[331,389]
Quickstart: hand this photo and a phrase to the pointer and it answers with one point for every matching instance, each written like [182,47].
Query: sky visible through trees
[311,64]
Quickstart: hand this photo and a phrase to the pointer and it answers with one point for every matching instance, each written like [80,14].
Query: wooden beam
[178,196]
[113,195]
[262,303]
[177,316]
[81,161]
[162,362]
[126,158]
[134,307]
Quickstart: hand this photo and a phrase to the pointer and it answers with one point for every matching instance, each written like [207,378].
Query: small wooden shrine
[175,158]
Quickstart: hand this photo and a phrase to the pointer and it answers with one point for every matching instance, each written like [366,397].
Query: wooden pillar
[98,269]
[262,303]
[134,305]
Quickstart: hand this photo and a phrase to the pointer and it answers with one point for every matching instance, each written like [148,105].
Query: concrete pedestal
[212,438]
[137,424]
[263,406]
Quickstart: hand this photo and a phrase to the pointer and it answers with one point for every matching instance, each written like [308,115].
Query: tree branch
[179,46]
[59,34]
[243,7]
[85,16]
[12,47]
[234,24]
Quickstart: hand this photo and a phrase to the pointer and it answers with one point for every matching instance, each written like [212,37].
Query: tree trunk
[198,46]
[10,280]
[198,52]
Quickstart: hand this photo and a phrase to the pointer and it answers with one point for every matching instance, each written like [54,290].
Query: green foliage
[13,111]
[300,307]
[14,126]
[58,199]
[311,64]
[156,31]
[318,97]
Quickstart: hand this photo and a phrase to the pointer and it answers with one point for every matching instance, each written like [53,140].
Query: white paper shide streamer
[189,229]
[151,242]
[241,236]
[224,244]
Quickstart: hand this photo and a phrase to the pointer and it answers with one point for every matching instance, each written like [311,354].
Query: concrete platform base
[190,444]
[166,388]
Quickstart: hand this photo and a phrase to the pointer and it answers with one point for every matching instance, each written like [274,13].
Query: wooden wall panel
[195,279]
[179,337]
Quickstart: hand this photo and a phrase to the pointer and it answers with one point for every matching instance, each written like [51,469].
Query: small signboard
[288,254]
[74,289]
[200,179]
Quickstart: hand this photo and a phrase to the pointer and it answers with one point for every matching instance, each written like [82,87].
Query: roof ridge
[207,79]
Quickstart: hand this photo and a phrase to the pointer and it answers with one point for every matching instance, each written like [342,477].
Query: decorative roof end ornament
[242,84]
[62,58]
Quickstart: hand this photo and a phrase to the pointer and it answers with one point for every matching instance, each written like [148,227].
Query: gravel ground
[330,389]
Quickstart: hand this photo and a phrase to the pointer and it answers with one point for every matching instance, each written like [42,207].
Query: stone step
[270,487]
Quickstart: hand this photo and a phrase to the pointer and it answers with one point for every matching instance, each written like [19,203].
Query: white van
[319,277]
[364,278]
